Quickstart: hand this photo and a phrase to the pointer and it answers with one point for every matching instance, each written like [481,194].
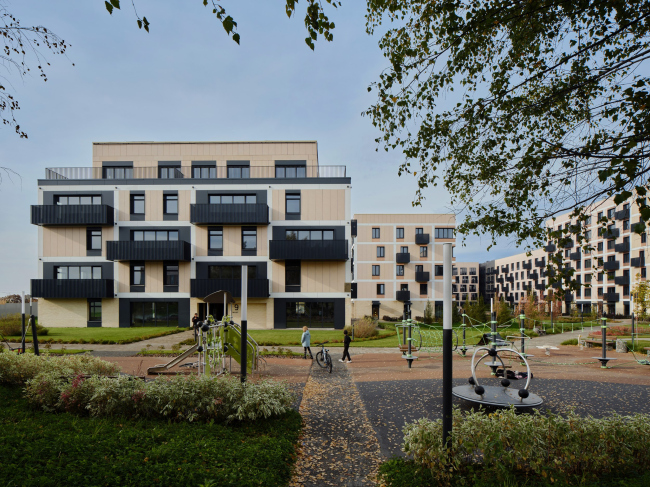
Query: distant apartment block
[397,259]
[465,282]
[142,236]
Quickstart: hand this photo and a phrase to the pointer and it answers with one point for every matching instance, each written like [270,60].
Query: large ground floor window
[313,315]
[154,314]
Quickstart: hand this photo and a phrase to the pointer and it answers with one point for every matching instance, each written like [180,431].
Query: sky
[187,81]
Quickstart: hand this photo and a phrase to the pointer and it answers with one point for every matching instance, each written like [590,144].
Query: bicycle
[323,358]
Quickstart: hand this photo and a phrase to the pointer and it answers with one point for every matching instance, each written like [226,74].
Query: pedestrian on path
[195,324]
[306,342]
[346,347]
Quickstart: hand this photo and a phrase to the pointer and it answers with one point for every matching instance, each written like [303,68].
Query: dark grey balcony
[308,250]
[71,215]
[550,248]
[622,214]
[257,288]
[149,250]
[403,295]
[556,285]
[622,280]
[568,297]
[421,277]
[611,233]
[622,247]
[510,279]
[403,257]
[540,286]
[422,238]
[511,299]
[611,265]
[532,275]
[505,289]
[637,262]
[72,288]
[527,265]
[540,262]
[569,244]
[610,297]
[500,280]
[575,255]
[235,214]
[504,268]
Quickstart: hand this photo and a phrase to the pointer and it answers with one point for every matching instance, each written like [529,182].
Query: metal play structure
[424,338]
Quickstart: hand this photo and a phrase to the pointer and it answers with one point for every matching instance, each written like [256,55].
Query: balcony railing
[403,257]
[421,277]
[622,247]
[611,233]
[510,279]
[540,286]
[637,262]
[611,265]
[540,262]
[622,280]
[308,250]
[185,172]
[575,255]
[72,288]
[149,250]
[568,297]
[257,288]
[527,265]
[622,214]
[235,214]
[422,238]
[550,248]
[532,275]
[569,244]
[70,215]
[403,295]
[611,297]
[500,280]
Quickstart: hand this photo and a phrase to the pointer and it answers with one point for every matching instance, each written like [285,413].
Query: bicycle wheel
[329,362]
[320,360]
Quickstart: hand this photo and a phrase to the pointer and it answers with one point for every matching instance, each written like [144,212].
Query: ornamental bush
[504,444]
[180,398]
[18,369]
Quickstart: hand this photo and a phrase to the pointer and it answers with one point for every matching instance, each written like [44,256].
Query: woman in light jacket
[305,340]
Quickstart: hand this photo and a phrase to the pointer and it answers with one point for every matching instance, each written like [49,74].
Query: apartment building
[147,232]
[397,261]
[465,282]
[611,268]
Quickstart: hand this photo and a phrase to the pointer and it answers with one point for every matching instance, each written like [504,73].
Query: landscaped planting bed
[103,336]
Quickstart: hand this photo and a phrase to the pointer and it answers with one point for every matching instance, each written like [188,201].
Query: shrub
[496,446]
[180,398]
[391,318]
[364,328]
[571,341]
[18,369]
[428,313]
[11,325]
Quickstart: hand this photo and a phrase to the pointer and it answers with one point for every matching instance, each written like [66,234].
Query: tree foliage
[522,109]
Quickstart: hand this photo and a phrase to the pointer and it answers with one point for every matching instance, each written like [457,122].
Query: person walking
[195,324]
[346,347]
[306,342]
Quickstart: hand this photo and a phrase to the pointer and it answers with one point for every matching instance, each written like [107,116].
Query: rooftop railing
[195,172]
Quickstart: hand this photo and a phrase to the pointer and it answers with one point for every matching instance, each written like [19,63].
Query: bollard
[603,358]
[409,355]
[32,323]
[522,317]
[463,349]
[633,331]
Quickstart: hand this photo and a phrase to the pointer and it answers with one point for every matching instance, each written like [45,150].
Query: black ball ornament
[505,382]
[479,390]
[492,352]
[523,393]
[200,349]
[471,381]
[225,348]
[205,327]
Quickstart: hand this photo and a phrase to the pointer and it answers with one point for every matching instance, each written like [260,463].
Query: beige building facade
[397,261]
[142,236]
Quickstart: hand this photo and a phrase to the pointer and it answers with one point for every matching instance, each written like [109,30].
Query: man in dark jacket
[195,324]
[346,347]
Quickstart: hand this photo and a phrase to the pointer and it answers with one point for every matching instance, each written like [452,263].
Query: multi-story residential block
[611,268]
[398,260]
[465,282]
[142,236]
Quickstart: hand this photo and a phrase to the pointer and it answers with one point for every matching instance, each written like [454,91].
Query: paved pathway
[338,446]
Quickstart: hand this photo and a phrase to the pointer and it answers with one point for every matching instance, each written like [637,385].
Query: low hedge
[97,341]
[566,450]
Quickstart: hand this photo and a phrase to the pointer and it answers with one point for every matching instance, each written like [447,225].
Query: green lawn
[103,335]
[292,338]
[39,449]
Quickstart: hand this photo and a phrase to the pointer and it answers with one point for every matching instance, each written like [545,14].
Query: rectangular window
[118,172]
[400,270]
[588,235]
[292,204]
[578,264]
[626,258]
[587,292]
[137,204]
[381,251]
[292,273]
[309,235]
[419,231]
[437,270]
[626,224]
[610,244]
[170,274]
[610,213]
[600,292]
[78,272]
[77,200]
[204,172]
[375,233]
[154,235]
[249,239]
[95,310]
[94,239]
[643,272]
[375,270]
[600,246]
[154,314]
[444,233]
[419,268]
[170,172]
[137,273]
[423,289]
[230,272]
[229,199]
[239,172]
[399,233]
[215,239]
[424,252]
[404,249]
[381,289]
[290,171]
[170,204]
[643,237]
